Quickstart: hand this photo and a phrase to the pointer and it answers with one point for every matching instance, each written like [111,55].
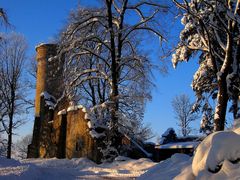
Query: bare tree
[12,57]
[3,145]
[4,18]
[182,108]
[22,146]
[5,22]
[115,70]
[211,29]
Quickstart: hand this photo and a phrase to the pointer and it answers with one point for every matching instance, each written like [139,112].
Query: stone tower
[44,52]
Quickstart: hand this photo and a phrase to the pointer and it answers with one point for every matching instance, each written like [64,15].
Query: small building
[165,151]
[170,144]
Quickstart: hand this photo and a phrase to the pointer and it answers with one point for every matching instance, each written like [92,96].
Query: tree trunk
[9,147]
[222,97]
[10,127]
[221,107]
[114,73]
[235,107]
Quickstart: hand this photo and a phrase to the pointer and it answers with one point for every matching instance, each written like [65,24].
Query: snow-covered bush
[215,149]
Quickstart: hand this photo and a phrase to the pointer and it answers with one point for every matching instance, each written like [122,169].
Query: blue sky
[40,21]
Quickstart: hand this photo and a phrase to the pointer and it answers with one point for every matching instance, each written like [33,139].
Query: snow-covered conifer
[211,31]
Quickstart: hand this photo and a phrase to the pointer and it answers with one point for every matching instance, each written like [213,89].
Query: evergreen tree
[211,30]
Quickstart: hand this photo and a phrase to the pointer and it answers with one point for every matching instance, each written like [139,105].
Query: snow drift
[214,150]
[168,169]
[216,157]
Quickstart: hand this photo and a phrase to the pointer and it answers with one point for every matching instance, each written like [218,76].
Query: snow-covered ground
[82,168]
[217,157]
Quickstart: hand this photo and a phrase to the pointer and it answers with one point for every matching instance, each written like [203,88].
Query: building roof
[178,145]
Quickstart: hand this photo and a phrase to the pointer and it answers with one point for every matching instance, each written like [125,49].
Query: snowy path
[49,169]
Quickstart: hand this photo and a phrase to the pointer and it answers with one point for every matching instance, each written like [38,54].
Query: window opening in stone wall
[79,144]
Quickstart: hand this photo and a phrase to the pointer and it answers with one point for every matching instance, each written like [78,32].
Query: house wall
[162,154]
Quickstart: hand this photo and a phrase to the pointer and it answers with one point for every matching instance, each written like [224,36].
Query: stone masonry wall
[79,143]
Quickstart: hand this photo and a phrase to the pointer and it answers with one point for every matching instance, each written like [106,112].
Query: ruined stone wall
[47,148]
[59,137]
[66,135]
[79,143]
[33,148]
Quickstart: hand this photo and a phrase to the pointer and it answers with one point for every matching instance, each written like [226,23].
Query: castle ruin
[60,130]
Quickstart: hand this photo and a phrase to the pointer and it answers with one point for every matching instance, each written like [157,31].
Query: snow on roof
[52,59]
[84,109]
[76,107]
[40,44]
[167,132]
[89,124]
[63,111]
[162,139]
[49,99]
[191,137]
[50,104]
[72,108]
[87,116]
[80,106]
[44,44]
[178,145]
[47,96]
[95,134]
[148,143]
